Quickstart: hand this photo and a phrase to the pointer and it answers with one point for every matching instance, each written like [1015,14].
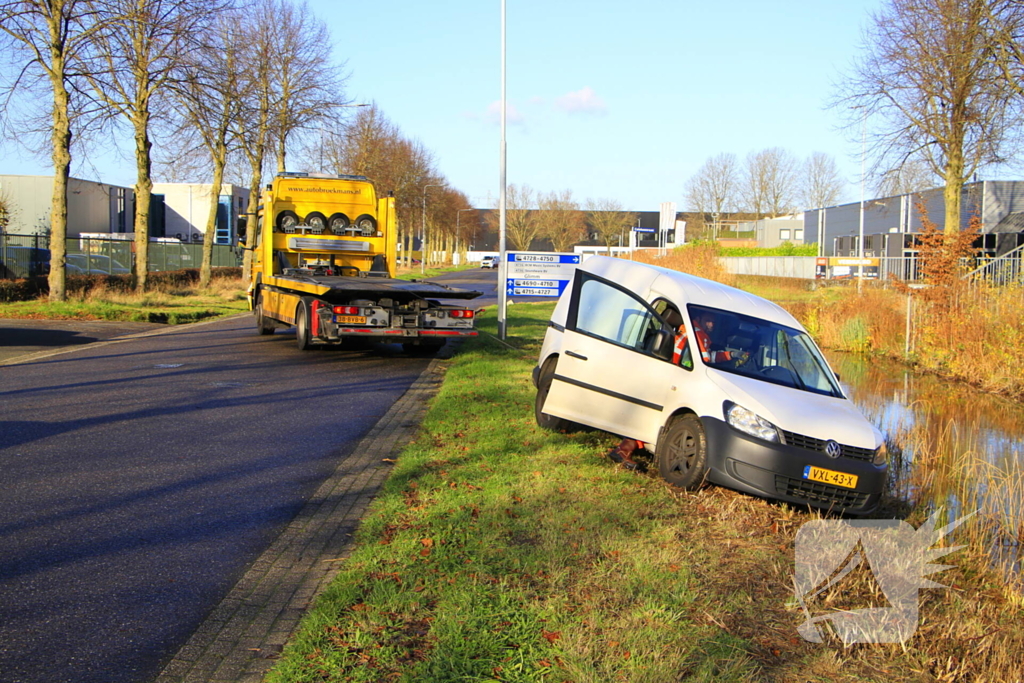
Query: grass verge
[500,552]
[171,304]
[415,274]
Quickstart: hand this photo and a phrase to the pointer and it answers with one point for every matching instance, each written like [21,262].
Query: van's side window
[609,313]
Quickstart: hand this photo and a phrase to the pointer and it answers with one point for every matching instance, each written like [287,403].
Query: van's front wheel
[682,453]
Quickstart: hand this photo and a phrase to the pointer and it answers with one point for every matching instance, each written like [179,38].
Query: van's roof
[652,282]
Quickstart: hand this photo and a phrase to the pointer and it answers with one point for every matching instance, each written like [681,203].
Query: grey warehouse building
[889,221]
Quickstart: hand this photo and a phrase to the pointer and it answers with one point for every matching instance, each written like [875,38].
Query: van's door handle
[575,355]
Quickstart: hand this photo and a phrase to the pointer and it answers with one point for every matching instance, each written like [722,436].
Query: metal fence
[29,256]
[774,266]
[1004,270]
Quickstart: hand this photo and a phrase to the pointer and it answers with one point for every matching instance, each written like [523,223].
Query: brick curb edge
[239,640]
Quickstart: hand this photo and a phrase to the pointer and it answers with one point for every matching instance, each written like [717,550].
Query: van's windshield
[760,349]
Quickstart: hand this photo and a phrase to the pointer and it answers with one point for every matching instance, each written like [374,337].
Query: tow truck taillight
[346,310]
[461,313]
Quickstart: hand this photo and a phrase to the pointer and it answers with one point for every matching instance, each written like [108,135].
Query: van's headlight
[881,455]
[750,422]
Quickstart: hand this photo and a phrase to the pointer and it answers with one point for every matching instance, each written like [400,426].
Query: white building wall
[187,207]
[92,207]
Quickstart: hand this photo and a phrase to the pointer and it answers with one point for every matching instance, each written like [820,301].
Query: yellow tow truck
[324,262]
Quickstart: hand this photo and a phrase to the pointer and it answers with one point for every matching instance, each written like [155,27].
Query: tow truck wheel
[545,421]
[683,453]
[263,324]
[303,336]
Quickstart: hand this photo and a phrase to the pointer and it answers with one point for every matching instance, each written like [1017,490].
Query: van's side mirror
[661,345]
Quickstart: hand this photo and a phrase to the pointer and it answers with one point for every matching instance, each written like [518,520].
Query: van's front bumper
[775,470]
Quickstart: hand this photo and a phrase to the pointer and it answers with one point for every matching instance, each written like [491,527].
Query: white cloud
[582,101]
[512,114]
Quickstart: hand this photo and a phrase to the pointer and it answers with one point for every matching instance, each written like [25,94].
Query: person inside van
[703,329]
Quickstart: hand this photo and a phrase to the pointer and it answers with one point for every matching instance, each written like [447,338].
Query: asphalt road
[141,477]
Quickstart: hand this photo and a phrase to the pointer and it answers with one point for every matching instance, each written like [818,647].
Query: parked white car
[719,384]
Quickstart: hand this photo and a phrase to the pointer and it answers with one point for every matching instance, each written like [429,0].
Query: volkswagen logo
[833,449]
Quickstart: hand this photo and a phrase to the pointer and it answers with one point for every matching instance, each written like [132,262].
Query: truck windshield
[762,350]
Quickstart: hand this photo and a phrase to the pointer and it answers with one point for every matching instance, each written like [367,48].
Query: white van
[719,384]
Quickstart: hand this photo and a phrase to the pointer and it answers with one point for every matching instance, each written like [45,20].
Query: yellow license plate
[351,319]
[843,479]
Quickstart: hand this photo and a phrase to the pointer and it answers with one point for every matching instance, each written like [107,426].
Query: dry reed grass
[696,259]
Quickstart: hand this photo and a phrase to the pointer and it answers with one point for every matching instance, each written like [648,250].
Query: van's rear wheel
[303,335]
[682,453]
[545,421]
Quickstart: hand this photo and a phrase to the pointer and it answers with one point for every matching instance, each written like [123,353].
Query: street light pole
[423,230]
[860,240]
[502,266]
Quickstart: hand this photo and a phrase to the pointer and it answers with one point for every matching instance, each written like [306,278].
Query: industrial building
[889,222]
[177,210]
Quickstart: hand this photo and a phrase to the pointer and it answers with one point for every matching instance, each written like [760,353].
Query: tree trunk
[951,193]
[61,170]
[143,195]
[205,270]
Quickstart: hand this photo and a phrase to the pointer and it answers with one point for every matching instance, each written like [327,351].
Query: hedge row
[31,288]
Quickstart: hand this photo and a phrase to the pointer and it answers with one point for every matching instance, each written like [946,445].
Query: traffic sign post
[541,274]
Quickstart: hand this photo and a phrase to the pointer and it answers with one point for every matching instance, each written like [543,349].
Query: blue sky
[617,100]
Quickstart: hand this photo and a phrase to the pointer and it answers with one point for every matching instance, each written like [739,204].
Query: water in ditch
[955,447]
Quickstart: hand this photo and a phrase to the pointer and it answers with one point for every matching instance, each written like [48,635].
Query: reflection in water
[954,447]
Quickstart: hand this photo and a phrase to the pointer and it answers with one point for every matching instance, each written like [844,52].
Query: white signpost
[544,274]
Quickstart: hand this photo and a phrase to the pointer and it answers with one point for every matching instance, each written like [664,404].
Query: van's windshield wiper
[792,366]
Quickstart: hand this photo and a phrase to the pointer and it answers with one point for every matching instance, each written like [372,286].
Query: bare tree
[308,82]
[770,182]
[209,95]
[912,176]
[713,188]
[7,210]
[137,60]
[608,219]
[561,220]
[522,225]
[934,90]
[52,36]
[822,183]
[373,146]
[253,125]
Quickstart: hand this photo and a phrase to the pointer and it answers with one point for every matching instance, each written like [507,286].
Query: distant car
[489,262]
[19,262]
[96,264]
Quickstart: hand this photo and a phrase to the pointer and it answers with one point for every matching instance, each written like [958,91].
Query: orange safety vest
[709,356]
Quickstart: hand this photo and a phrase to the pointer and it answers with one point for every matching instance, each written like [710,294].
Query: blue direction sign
[645,230]
[543,274]
[521,257]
